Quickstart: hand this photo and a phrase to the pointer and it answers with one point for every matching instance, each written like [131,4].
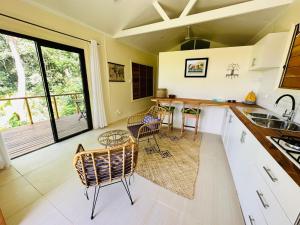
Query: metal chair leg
[129,179]
[86,193]
[96,194]
[127,190]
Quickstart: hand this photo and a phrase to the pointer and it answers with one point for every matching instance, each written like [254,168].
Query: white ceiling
[112,16]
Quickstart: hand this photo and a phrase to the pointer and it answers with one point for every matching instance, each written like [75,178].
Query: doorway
[43,93]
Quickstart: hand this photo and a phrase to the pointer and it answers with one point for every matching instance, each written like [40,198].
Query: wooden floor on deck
[24,139]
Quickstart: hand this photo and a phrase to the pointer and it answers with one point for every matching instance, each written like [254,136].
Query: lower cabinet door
[281,184]
[247,196]
[268,203]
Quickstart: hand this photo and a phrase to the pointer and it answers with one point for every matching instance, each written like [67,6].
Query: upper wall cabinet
[268,52]
[291,73]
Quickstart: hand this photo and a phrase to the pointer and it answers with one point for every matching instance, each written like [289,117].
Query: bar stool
[191,110]
[167,105]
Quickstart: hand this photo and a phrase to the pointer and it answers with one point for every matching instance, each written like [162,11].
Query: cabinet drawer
[269,205]
[284,188]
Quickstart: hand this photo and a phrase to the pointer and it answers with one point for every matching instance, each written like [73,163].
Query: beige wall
[117,95]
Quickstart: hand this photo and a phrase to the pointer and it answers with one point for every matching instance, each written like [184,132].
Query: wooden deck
[28,138]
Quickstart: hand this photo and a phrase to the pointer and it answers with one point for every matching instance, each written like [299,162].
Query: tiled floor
[42,188]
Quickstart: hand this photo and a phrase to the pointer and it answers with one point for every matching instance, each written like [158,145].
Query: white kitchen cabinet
[268,52]
[260,205]
[282,185]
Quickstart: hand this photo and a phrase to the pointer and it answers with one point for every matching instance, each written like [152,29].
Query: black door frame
[45,43]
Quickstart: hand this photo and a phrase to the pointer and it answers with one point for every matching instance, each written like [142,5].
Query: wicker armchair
[102,167]
[139,128]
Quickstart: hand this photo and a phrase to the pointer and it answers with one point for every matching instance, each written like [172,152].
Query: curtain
[98,110]
[4,158]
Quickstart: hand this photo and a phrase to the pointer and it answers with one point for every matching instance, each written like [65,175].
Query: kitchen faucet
[289,115]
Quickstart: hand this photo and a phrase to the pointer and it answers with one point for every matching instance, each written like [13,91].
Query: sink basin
[269,123]
[264,115]
[276,124]
[293,127]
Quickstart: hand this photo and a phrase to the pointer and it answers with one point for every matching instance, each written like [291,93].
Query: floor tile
[7,175]
[16,195]
[40,212]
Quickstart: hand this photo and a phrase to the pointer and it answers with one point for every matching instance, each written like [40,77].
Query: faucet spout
[287,95]
[289,115]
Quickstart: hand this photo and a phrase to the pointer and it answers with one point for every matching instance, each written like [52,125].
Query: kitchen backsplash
[269,92]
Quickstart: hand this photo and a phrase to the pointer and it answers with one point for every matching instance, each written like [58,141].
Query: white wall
[215,85]
[269,90]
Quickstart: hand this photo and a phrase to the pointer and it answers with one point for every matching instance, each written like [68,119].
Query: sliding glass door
[43,92]
[67,89]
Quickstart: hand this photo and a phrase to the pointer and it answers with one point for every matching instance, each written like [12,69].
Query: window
[43,92]
[142,81]
[291,73]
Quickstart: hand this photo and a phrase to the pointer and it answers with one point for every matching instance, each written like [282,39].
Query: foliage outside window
[20,76]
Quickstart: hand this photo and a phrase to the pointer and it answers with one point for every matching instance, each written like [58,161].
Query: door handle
[252,220]
[270,174]
[262,199]
[230,119]
[243,135]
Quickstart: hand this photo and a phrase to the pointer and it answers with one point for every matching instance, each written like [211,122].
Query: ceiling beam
[188,8]
[228,11]
[160,10]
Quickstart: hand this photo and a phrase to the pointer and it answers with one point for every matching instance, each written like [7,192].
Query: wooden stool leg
[196,127]
[182,125]
[169,121]
[172,121]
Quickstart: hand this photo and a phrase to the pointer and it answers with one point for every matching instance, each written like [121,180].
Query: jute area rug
[175,167]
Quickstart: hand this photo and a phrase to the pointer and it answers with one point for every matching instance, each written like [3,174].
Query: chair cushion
[150,119]
[191,111]
[168,108]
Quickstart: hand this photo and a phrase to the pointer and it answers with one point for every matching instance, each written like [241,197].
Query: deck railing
[74,96]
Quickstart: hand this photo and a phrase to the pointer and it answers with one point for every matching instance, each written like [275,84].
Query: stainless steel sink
[269,123]
[267,119]
[264,115]
[276,124]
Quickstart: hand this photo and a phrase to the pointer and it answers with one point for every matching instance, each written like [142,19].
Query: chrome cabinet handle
[252,220]
[243,135]
[270,174]
[230,119]
[262,199]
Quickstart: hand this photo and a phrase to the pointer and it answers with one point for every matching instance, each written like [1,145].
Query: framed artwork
[196,67]
[116,72]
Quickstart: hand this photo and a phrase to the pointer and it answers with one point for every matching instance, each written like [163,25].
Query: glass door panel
[66,80]
[24,116]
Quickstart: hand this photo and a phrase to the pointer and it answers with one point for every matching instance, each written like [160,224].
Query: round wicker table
[113,137]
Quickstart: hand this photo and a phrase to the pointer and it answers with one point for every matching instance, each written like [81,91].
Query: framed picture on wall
[116,72]
[196,67]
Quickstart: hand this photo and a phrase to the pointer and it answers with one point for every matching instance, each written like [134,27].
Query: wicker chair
[140,129]
[102,167]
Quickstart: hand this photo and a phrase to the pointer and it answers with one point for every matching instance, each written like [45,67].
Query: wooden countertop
[260,133]
[203,102]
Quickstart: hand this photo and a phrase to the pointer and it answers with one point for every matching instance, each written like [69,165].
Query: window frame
[296,32]
[39,42]
[153,82]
